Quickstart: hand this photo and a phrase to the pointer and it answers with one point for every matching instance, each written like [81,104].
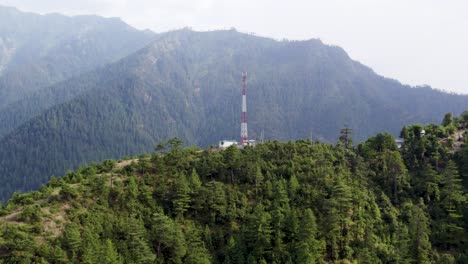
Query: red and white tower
[244,138]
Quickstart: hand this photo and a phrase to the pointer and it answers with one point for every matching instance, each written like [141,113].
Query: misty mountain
[39,50]
[188,84]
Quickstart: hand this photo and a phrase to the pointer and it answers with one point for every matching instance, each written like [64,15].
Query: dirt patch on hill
[54,223]
[12,218]
[124,163]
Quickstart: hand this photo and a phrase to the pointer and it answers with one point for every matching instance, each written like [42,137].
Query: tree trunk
[232,176]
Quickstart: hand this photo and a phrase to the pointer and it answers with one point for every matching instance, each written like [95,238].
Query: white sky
[414,41]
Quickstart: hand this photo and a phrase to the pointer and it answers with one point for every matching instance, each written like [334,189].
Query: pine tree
[196,191]
[291,228]
[168,239]
[396,173]
[452,190]
[345,137]
[258,233]
[232,161]
[293,186]
[215,200]
[198,253]
[109,254]
[207,239]
[91,247]
[463,158]
[452,201]
[308,248]
[181,200]
[338,218]
[448,119]
[139,251]
[73,239]
[279,210]
[235,250]
[427,184]
[194,181]
[132,189]
[420,231]
[57,255]
[258,179]
[402,244]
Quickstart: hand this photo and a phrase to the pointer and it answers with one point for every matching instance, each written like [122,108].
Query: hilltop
[292,202]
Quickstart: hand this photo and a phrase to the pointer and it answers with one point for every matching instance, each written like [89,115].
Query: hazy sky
[414,41]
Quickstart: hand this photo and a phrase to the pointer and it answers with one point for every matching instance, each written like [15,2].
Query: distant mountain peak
[40,50]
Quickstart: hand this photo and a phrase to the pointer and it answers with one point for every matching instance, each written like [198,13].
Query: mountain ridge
[39,50]
[187,84]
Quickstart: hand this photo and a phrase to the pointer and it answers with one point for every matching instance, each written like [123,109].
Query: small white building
[223,144]
[251,142]
[399,142]
[423,133]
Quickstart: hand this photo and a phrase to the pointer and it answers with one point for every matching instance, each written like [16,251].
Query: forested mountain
[187,84]
[294,202]
[39,50]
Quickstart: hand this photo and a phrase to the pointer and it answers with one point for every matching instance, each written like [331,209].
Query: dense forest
[187,84]
[277,202]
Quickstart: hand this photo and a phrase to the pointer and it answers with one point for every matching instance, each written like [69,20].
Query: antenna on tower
[244,138]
